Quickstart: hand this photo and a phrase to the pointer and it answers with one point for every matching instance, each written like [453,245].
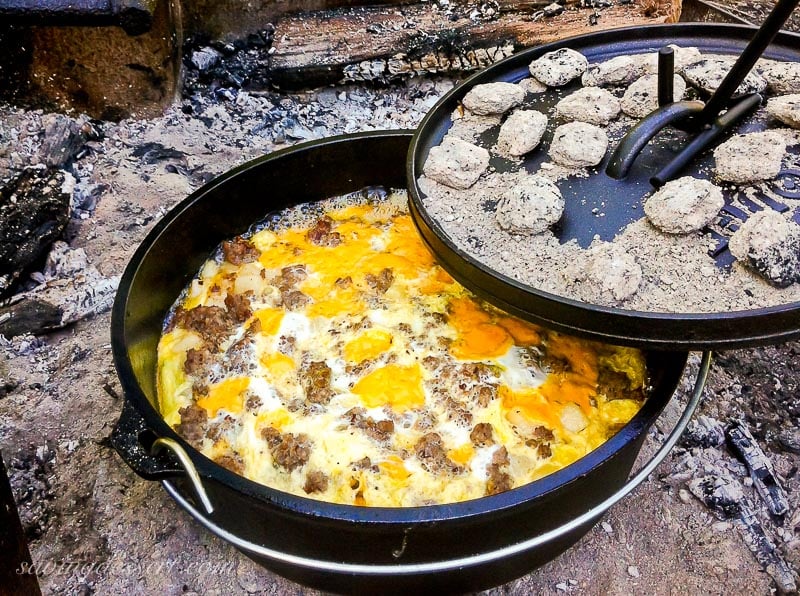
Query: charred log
[34,210]
[29,316]
[378,43]
[764,479]
[64,138]
[724,496]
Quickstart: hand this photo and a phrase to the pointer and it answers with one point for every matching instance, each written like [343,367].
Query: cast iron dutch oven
[457,547]
[620,200]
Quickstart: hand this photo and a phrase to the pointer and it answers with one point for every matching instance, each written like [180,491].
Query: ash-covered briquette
[456,163]
[608,273]
[468,126]
[521,133]
[751,157]
[589,104]
[782,77]
[556,69]
[578,145]
[620,70]
[684,205]
[707,74]
[625,69]
[769,243]
[530,207]
[493,98]
[641,97]
[785,108]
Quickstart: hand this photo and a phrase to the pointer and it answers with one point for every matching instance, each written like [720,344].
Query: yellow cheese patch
[532,404]
[270,319]
[461,455]
[479,337]
[368,345]
[332,303]
[399,387]
[279,365]
[226,395]
[394,468]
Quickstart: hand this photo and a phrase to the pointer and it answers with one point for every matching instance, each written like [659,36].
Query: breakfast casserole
[326,354]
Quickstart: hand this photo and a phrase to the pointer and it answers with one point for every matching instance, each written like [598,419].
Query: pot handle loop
[144,452]
[132,438]
[197,484]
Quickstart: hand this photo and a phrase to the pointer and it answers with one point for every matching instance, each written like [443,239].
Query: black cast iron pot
[620,201]
[458,547]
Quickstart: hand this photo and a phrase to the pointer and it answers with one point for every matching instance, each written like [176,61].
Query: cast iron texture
[620,200]
[166,261]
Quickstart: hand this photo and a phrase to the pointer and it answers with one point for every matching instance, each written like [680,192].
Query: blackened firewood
[63,140]
[72,290]
[34,210]
[378,43]
[704,432]
[790,440]
[724,496]
[769,488]
[151,153]
[764,550]
[29,316]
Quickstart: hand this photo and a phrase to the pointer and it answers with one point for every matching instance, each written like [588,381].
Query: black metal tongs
[702,119]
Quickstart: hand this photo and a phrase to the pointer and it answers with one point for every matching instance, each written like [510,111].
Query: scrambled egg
[332,358]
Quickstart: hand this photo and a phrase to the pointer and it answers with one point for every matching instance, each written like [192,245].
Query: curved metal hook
[707,138]
[197,484]
[637,137]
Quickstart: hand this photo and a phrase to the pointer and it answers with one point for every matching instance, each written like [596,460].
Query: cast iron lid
[654,330]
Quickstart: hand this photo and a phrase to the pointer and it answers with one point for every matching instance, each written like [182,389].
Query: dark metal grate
[740,206]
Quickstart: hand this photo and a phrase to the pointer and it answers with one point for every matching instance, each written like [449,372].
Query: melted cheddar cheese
[331,357]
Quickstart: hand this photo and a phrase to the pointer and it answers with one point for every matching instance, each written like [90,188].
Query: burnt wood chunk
[724,496]
[34,210]
[764,479]
[64,138]
[29,316]
[378,43]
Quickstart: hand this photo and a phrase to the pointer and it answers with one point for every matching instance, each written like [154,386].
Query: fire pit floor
[95,526]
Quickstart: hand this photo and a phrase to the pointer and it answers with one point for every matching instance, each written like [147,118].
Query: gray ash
[30,472]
